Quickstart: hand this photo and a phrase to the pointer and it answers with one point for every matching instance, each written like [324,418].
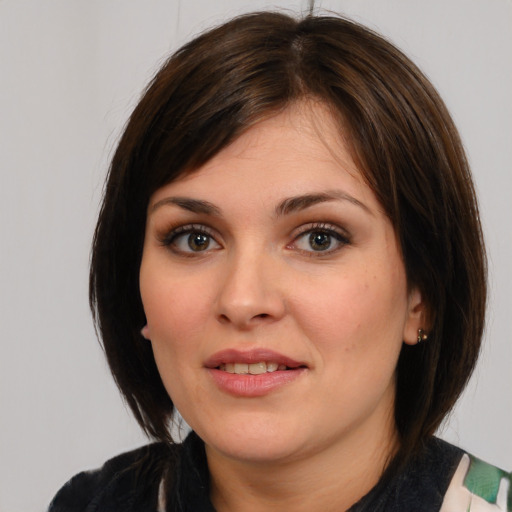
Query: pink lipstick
[252,373]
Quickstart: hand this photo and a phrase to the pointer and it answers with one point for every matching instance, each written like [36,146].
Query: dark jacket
[178,476]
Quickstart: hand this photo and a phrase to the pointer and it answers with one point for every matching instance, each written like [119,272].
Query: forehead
[301,149]
[307,128]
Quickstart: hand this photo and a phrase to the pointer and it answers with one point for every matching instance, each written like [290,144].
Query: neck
[331,480]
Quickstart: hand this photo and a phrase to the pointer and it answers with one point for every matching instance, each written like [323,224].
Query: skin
[321,441]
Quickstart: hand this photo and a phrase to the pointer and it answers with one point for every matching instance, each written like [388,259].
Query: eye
[190,239]
[321,238]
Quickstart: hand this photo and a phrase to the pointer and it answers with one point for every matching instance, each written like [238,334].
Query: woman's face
[276,297]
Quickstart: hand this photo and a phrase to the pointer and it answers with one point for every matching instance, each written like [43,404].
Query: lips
[231,356]
[252,373]
[252,368]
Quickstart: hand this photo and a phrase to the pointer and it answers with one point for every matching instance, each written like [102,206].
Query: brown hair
[403,140]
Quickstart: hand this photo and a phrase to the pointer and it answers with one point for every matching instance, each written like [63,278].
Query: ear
[417,318]
[145,332]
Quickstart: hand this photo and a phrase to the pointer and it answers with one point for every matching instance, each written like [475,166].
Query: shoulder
[477,486]
[122,483]
[442,477]
[422,483]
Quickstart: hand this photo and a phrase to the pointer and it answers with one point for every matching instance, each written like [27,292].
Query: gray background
[70,72]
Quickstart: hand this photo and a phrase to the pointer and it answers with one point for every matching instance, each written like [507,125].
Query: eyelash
[172,234]
[341,239]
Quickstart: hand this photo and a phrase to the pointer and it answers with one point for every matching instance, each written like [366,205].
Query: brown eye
[323,238]
[198,241]
[190,239]
[320,241]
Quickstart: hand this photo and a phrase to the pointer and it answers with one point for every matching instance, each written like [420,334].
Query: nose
[250,294]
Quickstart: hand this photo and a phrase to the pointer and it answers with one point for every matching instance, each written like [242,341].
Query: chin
[257,452]
[253,441]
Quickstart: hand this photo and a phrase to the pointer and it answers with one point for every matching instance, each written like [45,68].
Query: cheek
[173,305]
[355,312]
[175,317]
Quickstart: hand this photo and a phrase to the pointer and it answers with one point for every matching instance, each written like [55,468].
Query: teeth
[272,367]
[241,368]
[257,368]
[252,369]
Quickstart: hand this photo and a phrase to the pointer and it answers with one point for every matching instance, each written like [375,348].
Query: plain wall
[70,72]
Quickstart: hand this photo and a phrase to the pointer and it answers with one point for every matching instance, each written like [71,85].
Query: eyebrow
[298,203]
[192,205]
[285,207]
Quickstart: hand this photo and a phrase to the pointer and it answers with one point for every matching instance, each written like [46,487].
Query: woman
[289,252]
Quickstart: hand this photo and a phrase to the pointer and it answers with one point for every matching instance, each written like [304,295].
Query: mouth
[254,368]
[253,373]
[253,362]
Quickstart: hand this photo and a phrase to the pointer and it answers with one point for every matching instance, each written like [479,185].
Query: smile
[253,373]
[252,362]
[253,368]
